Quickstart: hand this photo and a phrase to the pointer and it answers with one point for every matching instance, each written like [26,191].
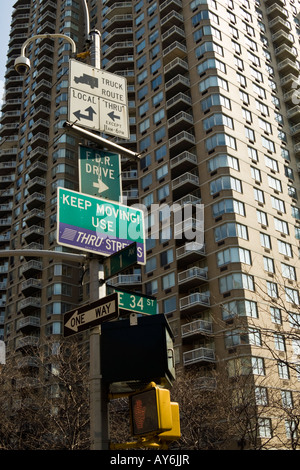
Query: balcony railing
[198,355]
[191,273]
[197,298]
[196,326]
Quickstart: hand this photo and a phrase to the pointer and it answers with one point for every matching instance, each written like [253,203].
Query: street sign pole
[99,428]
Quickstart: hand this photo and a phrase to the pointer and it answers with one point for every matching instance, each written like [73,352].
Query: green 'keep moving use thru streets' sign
[98,225]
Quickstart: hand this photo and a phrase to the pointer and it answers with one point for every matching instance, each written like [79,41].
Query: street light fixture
[22,63]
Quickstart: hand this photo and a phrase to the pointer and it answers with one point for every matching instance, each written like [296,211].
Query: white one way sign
[98,100]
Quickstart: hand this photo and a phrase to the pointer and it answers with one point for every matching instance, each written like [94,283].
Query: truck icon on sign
[87,79]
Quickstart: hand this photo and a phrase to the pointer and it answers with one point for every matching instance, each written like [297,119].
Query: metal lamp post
[98,398]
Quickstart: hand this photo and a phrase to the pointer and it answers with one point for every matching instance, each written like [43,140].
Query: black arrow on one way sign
[88,117]
[113,116]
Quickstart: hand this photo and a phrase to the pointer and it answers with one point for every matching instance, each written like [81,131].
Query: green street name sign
[137,303]
[97,225]
[100,173]
[119,261]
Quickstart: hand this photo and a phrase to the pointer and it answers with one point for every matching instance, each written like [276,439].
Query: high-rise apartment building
[214,109]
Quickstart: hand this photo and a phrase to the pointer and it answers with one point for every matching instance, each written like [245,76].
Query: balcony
[118,48]
[37,169]
[39,139]
[118,8]
[294,112]
[171,19]
[124,34]
[39,152]
[196,327]
[10,116]
[275,11]
[30,303]
[184,184]
[35,200]
[31,285]
[169,5]
[295,130]
[183,161]
[188,253]
[179,102]
[36,184]
[187,229]
[189,199]
[284,52]
[27,341]
[43,86]
[279,24]
[173,34]
[45,73]
[118,63]
[176,49]
[34,217]
[198,355]
[192,303]
[287,66]
[130,195]
[180,122]
[177,84]
[6,181]
[33,233]
[119,21]
[177,66]
[31,268]
[5,222]
[126,280]
[181,142]
[192,277]
[297,150]
[281,37]
[28,361]
[26,324]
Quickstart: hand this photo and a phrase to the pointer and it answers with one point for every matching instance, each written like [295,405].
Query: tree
[44,399]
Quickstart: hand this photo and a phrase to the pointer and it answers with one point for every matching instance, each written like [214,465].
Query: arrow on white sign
[88,117]
[91,315]
[113,116]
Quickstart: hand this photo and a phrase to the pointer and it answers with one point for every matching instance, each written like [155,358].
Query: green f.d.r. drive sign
[100,173]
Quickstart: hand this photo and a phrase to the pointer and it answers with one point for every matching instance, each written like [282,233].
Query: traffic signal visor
[150,412]
[174,433]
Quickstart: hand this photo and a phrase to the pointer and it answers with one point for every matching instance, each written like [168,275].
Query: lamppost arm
[44,36]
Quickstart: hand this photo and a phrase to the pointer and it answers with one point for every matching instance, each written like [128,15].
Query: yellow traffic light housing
[150,411]
[174,433]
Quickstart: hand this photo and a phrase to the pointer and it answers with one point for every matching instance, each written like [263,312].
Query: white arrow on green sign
[98,225]
[100,173]
[137,303]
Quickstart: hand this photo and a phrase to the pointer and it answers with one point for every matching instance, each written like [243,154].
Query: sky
[5,20]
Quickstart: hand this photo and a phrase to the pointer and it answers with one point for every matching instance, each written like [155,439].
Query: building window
[264,427]
[279,342]
[283,370]
[220,139]
[236,281]
[292,295]
[169,305]
[258,366]
[233,255]
[241,308]
[225,182]
[168,281]
[228,206]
